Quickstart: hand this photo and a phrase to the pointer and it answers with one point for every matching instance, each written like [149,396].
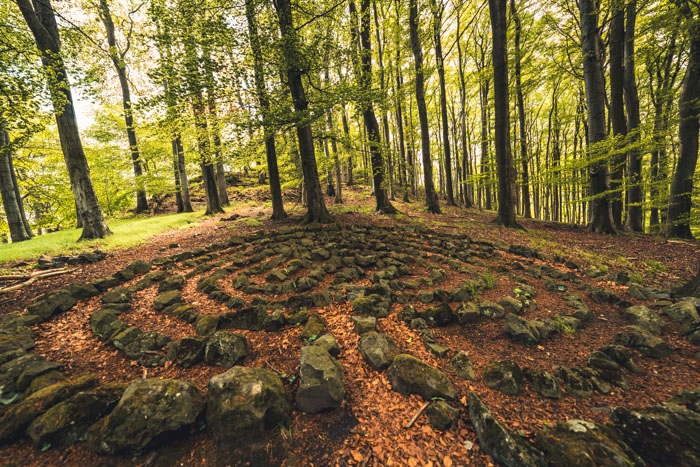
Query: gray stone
[577,385]
[174,282]
[408,375]
[51,304]
[117,295]
[206,324]
[30,365]
[245,404]
[329,344]
[148,408]
[464,293]
[645,343]
[425,296]
[543,383]
[225,349]
[251,318]
[512,305]
[313,329]
[440,315]
[378,349]
[504,376]
[604,296]
[491,310]
[582,443]
[82,291]
[407,313]
[521,330]
[167,299]
[468,313]
[321,381]
[372,305]
[10,355]
[300,316]
[364,324]
[644,318]
[274,321]
[462,365]
[498,441]
[189,351]
[620,355]
[442,415]
[640,292]
[681,312]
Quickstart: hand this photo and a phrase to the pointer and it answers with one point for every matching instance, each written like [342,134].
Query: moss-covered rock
[174,282]
[328,343]
[225,349]
[440,315]
[321,381]
[51,304]
[644,342]
[82,291]
[313,329]
[379,350]
[442,415]
[148,408]
[166,299]
[503,375]
[372,305]
[408,375]
[644,318]
[543,383]
[244,404]
[462,365]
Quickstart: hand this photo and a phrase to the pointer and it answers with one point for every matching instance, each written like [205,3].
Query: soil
[369,427]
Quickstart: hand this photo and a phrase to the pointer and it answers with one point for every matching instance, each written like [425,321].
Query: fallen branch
[415,417]
[30,278]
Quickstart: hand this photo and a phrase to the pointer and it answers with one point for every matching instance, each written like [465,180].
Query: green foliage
[489,280]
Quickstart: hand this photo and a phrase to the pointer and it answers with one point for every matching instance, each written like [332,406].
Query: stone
[26,367]
[662,435]
[689,398]
[498,441]
[521,330]
[11,355]
[442,415]
[364,324]
[440,315]
[407,313]
[425,296]
[609,369]
[681,312]
[148,408]
[43,381]
[604,296]
[313,329]
[408,375]
[644,318]
[18,416]
[245,404]
[464,293]
[189,351]
[13,342]
[512,305]
[372,305]
[504,376]
[491,310]
[583,443]
[206,325]
[321,381]
[644,342]
[468,313]
[225,349]
[106,283]
[67,422]
[139,266]
[51,304]
[277,275]
[462,365]
[329,344]
[524,251]
[640,292]
[274,321]
[298,317]
[82,291]
[576,384]
[543,383]
[378,349]
[167,299]
[436,348]
[251,318]
[174,282]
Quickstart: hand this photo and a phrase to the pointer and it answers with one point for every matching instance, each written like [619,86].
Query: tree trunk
[691,288]
[601,212]
[617,106]
[336,161]
[431,199]
[527,211]
[316,207]
[42,22]
[504,157]
[680,202]
[466,187]
[117,57]
[11,201]
[635,193]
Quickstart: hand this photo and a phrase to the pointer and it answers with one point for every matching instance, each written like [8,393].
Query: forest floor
[369,427]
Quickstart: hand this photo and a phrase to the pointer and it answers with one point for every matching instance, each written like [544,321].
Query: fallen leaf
[357,455]
[447,461]
[412,462]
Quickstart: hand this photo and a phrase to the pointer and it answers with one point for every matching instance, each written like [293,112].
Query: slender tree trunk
[40,18]
[11,201]
[601,212]
[179,201]
[485,170]
[504,157]
[348,148]
[527,212]
[617,107]
[336,161]
[635,193]
[316,207]
[117,56]
[431,199]
[680,202]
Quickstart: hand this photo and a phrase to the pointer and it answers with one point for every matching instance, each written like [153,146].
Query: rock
[43,381]
[147,409]
[13,342]
[274,321]
[576,384]
[106,283]
[436,348]
[408,375]
[491,310]
[521,330]
[321,381]
[644,342]
[464,293]
[17,374]
[681,312]
[544,384]
[82,291]
[512,305]
[189,351]
[117,295]
[313,329]
[425,296]
[166,299]
[372,305]
[604,296]
[608,369]
[67,422]
[462,365]
[138,267]
[440,315]
[277,275]
[329,344]
[662,435]
[378,349]
[51,304]
[11,355]
[244,404]
[18,416]
[504,376]
[174,282]
[690,399]
[442,415]
[206,325]
[644,318]
[251,318]
[225,349]
[468,313]
[298,317]
[524,251]
[620,355]
[499,442]
[364,324]
[582,443]
[639,292]
[407,313]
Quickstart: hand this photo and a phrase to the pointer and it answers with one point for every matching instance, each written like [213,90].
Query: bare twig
[415,417]
[31,278]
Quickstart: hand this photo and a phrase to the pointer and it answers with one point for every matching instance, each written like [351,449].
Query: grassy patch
[126,233]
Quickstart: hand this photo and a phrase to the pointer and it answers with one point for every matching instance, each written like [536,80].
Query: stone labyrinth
[268,282]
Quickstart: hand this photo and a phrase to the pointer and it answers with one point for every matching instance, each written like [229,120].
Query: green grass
[126,233]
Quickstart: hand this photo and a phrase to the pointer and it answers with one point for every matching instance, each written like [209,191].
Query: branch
[415,417]
[30,278]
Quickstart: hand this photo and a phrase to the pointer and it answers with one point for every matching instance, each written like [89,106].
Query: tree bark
[617,106]
[431,198]
[117,56]
[295,69]
[600,210]
[466,187]
[11,200]
[40,18]
[527,211]
[635,193]
[504,157]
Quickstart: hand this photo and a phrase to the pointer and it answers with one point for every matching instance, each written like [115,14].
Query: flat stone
[408,375]
[378,349]
[364,324]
